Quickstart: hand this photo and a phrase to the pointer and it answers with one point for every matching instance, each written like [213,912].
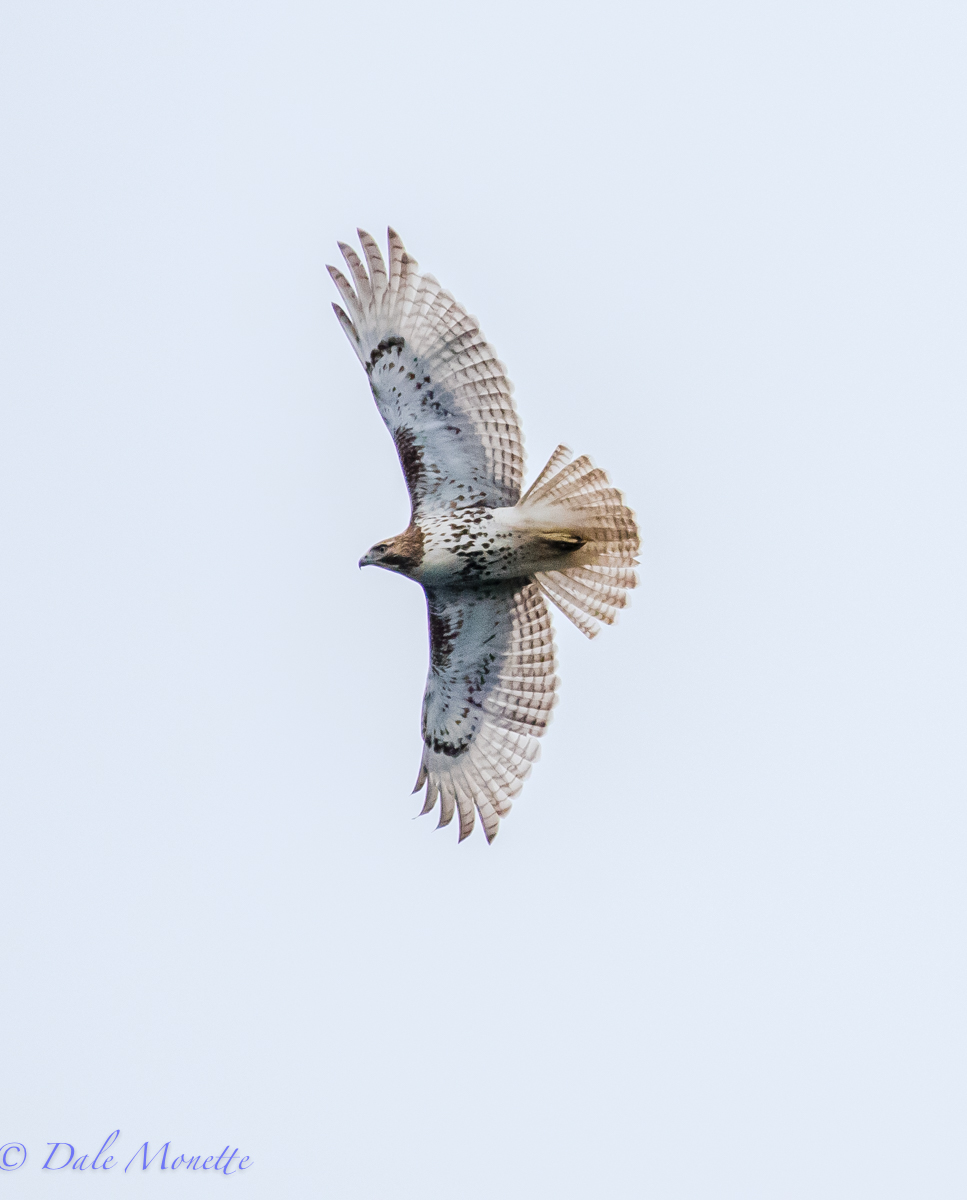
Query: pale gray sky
[718,948]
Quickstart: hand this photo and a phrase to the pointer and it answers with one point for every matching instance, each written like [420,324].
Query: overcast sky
[717,950]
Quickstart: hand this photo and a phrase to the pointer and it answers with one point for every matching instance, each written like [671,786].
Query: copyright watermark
[64,1156]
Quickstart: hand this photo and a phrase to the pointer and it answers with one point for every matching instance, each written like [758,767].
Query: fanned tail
[578,500]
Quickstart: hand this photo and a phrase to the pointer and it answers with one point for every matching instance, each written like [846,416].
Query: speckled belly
[467,547]
[478,545]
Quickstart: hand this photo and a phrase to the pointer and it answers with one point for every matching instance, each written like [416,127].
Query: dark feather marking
[411,460]
[573,541]
[444,630]
[384,347]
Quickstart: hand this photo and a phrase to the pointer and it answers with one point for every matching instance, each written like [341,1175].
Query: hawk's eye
[381,547]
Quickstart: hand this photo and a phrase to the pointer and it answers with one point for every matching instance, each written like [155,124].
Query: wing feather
[438,385]
[374,261]
[358,271]
[489,695]
[350,298]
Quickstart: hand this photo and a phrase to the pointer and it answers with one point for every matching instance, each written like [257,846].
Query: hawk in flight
[487,556]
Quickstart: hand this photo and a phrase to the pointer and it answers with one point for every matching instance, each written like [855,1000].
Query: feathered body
[485,556]
[483,545]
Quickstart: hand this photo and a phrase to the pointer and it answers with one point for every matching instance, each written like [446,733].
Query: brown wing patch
[411,460]
[445,625]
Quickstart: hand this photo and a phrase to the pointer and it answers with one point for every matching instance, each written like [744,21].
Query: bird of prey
[487,556]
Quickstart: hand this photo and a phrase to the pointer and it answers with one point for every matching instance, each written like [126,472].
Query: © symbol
[13,1155]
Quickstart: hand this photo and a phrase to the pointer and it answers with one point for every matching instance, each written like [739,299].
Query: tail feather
[562,482]
[577,499]
[594,595]
[574,612]
[557,460]
[620,577]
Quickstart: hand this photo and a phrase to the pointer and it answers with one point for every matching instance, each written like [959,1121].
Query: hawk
[487,556]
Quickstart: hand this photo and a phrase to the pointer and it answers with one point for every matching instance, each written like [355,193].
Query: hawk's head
[380,555]
[404,553]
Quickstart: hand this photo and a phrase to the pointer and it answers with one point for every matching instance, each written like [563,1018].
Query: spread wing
[488,698]
[437,383]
